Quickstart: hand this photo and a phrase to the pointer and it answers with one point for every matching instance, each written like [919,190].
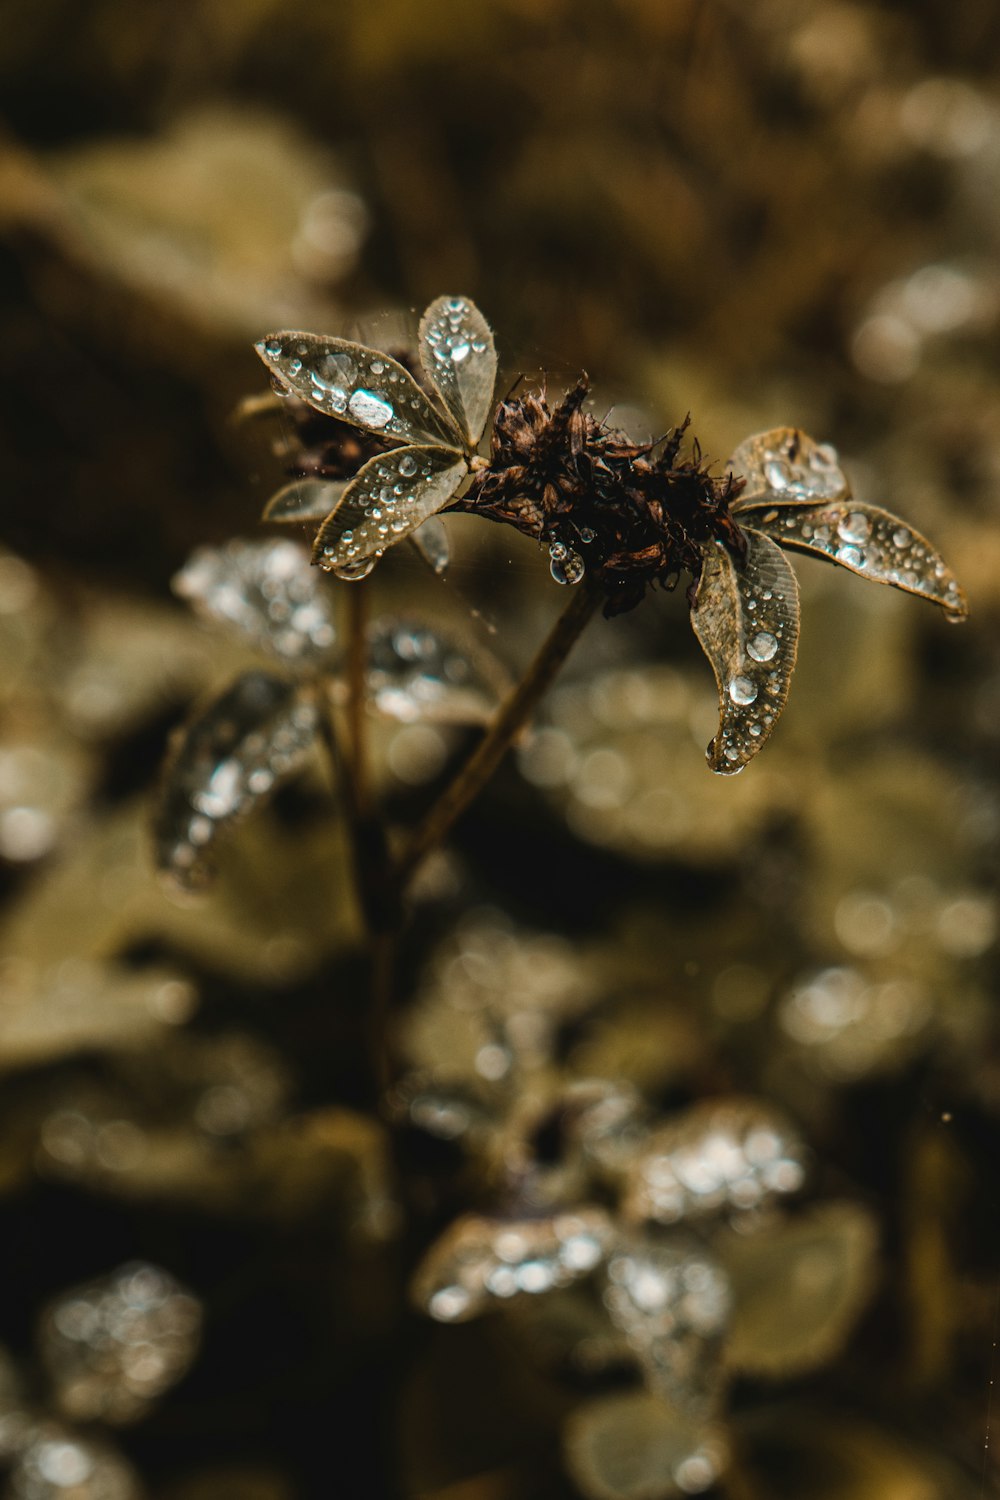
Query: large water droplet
[565,565]
[364,406]
[742,690]
[854,527]
[407,464]
[354,572]
[459,353]
[763,646]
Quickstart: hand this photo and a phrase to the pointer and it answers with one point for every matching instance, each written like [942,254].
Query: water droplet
[564,565]
[854,527]
[763,646]
[376,367]
[901,538]
[364,406]
[742,690]
[460,352]
[407,464]
[354,572]
[273,348]
[777,474]
[731,753]
[456,304]
[852,556]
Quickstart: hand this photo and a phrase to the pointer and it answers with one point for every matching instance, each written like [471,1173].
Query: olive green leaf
[304,500]
[786,464]
[746,618]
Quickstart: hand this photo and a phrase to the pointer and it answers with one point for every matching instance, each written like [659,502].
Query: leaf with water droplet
[632,1445]
[357,385]
[798,1286]
[304,500]
[433,543]
[866,540]
[387,500]
[265,590]
[746,618]
[418,671]
[458,353]
[225,762]
[786,464]
[672,1303]
[478,1262]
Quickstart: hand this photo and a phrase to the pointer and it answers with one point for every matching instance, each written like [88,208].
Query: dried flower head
[623,514]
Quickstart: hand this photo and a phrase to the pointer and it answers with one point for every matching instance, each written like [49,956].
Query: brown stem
[357,694]
[486,757]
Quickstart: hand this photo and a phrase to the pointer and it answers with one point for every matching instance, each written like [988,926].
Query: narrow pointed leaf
[432,542]
[458,353]
[224,763]
[267,591]
[386,501]
[746,618]
[786,464]
[355,384]
[866,540]
[304,500]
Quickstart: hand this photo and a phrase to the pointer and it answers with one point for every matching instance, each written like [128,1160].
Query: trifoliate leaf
[746,618]
[387,500]
[458,353]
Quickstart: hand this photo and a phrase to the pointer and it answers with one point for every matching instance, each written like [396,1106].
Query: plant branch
[488,754]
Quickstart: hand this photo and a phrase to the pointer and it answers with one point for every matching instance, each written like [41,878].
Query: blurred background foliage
[767,213]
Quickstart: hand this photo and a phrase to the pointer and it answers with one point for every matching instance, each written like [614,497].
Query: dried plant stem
[514,714]
[357,694]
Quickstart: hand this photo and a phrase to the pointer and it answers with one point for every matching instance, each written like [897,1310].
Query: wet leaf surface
[459,355]
[635,1446]
[267,591]
[388,499]
[421,671]
[304,500]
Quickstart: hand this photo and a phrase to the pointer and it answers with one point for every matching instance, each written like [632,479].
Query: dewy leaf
[458,353]
[787,465]
[634,1446]
[723,1155]
[746,617]
[237,750]
[264,589]
[798,1285]
[671,1300]
[387,500]
[431,541]
[870,542]
[480,1261]
[358,385]
[304,500]
[418,671]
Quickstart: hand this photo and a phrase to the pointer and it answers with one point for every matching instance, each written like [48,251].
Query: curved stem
[486,757]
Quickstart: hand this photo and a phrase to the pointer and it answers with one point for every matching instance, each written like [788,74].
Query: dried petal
[432,542]
[787,465]
[672,1303]
[720,1155]
[746,617]
[798,1285]
[870,542]
[224,763]
[419,671]
[458,353]
[478,1261]
[635,1446]
[358,385]
[387,500]
[267,590]
[113,1346]
[304,500]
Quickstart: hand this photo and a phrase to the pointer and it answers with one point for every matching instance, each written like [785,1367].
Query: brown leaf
[746,618]
[864,539]
[786,464]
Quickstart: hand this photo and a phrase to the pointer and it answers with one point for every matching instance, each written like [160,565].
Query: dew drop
[854,527]
[565,565]
[354,572]
[460,352]
[777,474]
[742,690]
[376,367]
[364,406]
[763,646]
[407,465]
[852,556]
[901,538]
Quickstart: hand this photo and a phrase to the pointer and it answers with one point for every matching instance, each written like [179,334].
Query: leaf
[787,465]
[224,763]
[671,1300]
[798,1285]
[387,500]
[481,1261]
[864,539]
[746,618]
[719,1155]
[304,500]
[458,353]
[432,542]
[635,1446]
[418,671]
[267,591]
[358,385]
